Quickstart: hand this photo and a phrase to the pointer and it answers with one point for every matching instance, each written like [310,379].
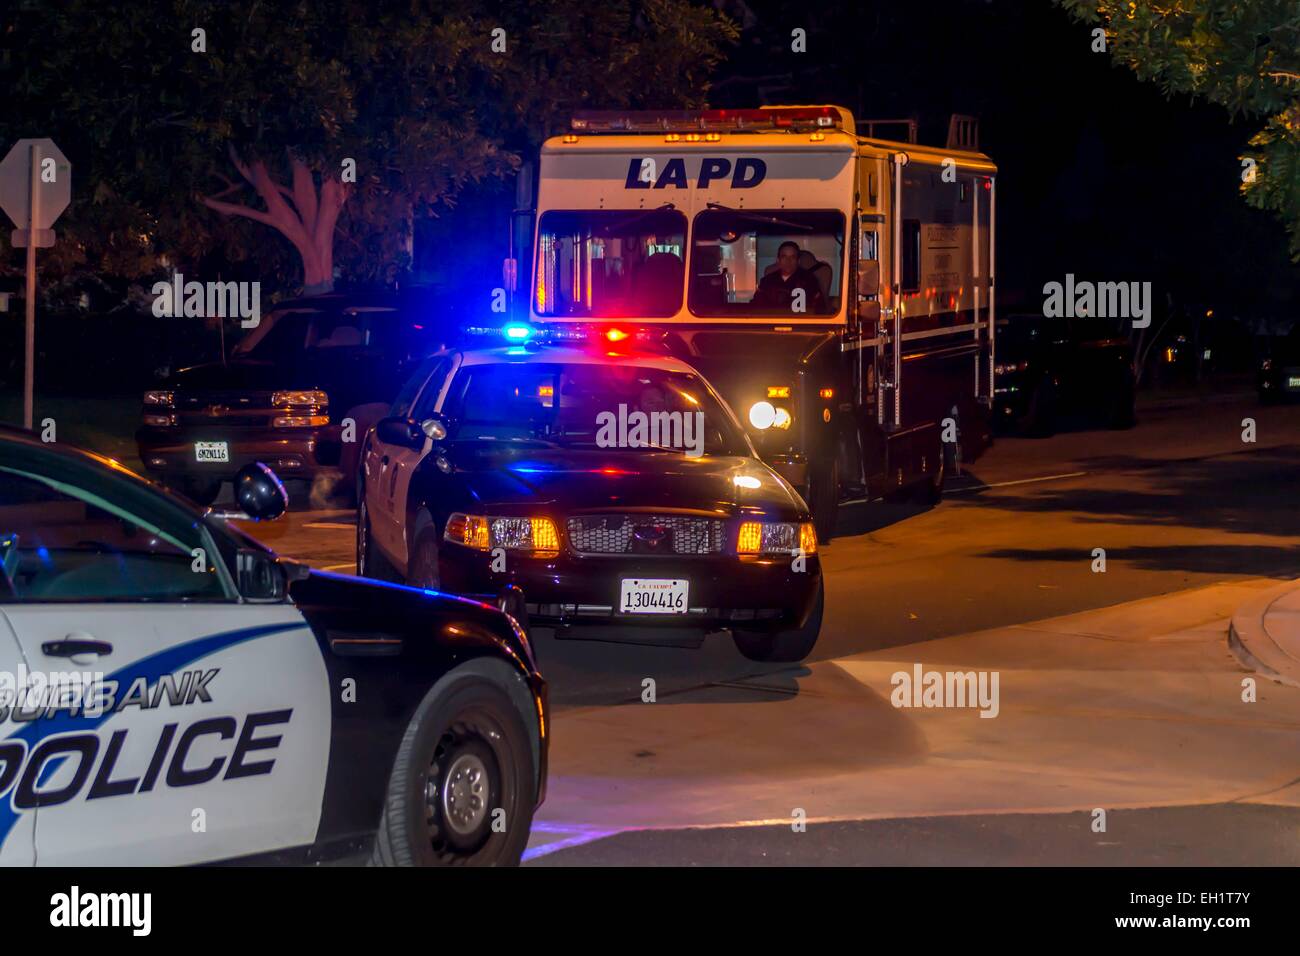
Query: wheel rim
[465,794]
[462,787]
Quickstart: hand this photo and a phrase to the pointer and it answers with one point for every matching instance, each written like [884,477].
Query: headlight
[308,397]
[762,415]
[776,537]
[1003,369]
[782,419]
[159,397]
[535,535]
[299,421]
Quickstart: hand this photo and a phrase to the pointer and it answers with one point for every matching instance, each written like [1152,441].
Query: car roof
[13,435]
[549,355]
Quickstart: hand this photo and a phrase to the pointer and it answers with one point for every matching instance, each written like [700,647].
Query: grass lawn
[104,425]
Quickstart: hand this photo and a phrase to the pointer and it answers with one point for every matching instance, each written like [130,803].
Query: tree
[202,127]
[1243,55]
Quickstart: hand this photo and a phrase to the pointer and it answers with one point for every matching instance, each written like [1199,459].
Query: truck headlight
[762,415]
[776,537]
[537,536]
[305,397]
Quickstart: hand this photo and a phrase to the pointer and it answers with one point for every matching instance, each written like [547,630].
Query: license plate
[211,451]
[1293,381]
[653,596]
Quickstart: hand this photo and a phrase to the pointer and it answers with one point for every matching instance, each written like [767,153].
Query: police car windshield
[761,262]
[610,263]
[580,405]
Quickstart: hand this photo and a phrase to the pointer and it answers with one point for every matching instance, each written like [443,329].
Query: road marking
[1020,481]
[579,834]
[339,567]
[331,525]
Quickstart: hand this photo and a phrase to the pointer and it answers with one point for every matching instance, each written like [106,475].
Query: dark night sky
[1100,174]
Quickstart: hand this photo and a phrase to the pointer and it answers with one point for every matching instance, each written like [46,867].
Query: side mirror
[868,277]
[399,431]
[434,427]
[260,493]
[259,576]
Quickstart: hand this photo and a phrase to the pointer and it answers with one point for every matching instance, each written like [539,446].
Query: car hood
[245,374]
[574,480]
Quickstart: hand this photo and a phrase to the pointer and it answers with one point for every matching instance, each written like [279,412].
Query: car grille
[224,407]
[645,534]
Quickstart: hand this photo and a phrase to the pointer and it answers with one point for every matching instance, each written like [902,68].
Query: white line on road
[1019,481]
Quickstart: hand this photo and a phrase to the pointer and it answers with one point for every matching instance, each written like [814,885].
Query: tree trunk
[304,217]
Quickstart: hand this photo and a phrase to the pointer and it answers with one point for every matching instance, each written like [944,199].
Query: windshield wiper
[628,220]
[754,217]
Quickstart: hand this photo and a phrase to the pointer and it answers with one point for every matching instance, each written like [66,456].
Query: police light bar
[793,118]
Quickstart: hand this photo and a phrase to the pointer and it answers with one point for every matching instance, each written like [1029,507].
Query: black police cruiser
[155,660]
[588,485]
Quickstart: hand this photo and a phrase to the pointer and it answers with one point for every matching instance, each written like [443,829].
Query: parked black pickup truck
[1049,371]
[285,392]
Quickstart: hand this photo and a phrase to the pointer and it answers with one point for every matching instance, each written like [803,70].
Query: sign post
[35,187]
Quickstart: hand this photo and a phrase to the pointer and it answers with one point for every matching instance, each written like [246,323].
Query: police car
[584,486]
[171,692]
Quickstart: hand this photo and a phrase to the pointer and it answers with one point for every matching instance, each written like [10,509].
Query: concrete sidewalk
[1265,633]
[1131,706]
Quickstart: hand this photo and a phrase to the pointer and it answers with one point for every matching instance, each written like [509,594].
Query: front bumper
[762,594]
[290,452]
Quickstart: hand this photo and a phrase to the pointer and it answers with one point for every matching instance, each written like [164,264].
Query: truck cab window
[776,262]
[611,263]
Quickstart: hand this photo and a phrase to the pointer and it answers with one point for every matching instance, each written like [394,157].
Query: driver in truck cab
[776,288]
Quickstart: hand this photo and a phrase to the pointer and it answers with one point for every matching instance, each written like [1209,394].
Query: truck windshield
[610,263]
[589,405]
[767,262]
[287,333]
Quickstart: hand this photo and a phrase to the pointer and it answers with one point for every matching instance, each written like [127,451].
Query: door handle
[79,646]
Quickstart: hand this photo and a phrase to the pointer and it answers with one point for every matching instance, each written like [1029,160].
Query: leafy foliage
[1243,55]
[413,91]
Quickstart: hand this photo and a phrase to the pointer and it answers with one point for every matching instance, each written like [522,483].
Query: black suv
[285,392]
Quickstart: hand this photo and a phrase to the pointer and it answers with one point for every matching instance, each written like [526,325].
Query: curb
[1254,647]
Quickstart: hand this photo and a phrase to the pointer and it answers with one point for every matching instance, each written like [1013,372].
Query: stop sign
[53,180]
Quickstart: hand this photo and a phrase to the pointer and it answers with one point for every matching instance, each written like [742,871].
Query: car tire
[824,495]
[784,647]
[201,491]
[371,562]
[465,756]
[930,491]
[422,568]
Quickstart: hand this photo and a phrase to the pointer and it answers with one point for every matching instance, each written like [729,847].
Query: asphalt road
[1181,506]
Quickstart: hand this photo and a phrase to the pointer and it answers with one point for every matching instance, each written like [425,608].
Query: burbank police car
[589,486]
[171,692]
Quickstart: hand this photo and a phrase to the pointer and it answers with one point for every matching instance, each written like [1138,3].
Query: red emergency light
[795,118]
